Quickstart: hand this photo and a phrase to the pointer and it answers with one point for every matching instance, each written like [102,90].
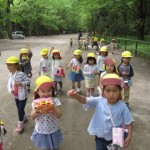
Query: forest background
[48,17]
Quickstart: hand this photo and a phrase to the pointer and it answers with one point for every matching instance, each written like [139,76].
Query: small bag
[58,71]
[75,69]
[21,93]
[117,133]
[15,89]
[118,136]
[44,68]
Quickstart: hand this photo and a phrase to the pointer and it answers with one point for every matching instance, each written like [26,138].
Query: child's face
[91,62]
[110,68]
[24,55]
[12,67]
[46,92]
[45,56]
[103,53]
[77,57]
[126,60]
[56,56]
[112,93]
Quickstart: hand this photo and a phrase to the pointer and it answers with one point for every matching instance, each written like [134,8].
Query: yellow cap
[23,51]
[91,55]
[43,79]
[96,39]
[102,40]
[42,82]
[126,54]
[55,51]
[1,122]
[103,49]
[12,60]
[44,51]
[78,52]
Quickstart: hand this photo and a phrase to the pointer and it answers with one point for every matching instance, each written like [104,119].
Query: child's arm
[69,65]
[129,137]
[131,74]
[34,113]
[57,112]
[78,97]
[100,83]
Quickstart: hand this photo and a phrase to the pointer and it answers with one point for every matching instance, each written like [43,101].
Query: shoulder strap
[111,117]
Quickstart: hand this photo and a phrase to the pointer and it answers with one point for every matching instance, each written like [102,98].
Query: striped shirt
[20,77]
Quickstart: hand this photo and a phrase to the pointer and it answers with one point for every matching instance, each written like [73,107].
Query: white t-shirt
[47,123]
[87,71]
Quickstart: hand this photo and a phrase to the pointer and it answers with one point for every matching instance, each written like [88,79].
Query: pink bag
[58,71]
[15,90]
[118,136]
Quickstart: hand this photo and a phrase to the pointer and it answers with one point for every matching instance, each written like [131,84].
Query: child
[76,73]
[50,51]
[113,45]
[17,83]
[47,134]
[101,123]
[25,62]
[95,44]
[109,66]
[71,42]
[2,134]
[90,72]
[45,64]
[57,66]
[103,55]
[126,72]
[102,43]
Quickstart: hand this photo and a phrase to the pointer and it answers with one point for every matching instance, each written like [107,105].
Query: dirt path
[75,120]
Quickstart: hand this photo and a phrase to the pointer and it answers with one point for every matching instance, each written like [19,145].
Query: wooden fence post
[125,44]
[136,44]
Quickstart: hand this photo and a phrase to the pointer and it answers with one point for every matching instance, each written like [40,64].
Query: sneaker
[78,90]
[19,128]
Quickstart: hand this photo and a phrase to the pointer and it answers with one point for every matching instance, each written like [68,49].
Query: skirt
[47,141]
[76,77]
[91,83]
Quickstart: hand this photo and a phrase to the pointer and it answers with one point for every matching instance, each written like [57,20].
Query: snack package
[44,105]
[58,71]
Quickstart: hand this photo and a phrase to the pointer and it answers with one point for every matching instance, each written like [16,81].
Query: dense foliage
[113,17]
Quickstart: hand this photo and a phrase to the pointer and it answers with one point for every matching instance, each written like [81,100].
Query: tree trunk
[142,10]
[9,30]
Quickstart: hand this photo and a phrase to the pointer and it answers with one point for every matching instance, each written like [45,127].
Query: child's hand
[94,72]
[127,141]
[18,84]
[72,93]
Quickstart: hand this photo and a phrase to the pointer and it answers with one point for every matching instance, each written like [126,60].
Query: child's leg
[28,88]
[21,113]
[73,85]
[60,84]
[55,86]
[78,88]
[21,106]
[88,92]
[91,91]
[126,95]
